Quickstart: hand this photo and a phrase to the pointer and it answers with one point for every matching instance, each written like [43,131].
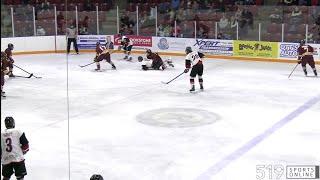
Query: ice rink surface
[126,125]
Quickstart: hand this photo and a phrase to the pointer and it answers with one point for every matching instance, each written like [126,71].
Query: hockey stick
[173,79]
[293,70]
[24,76]
[86,64]
[31,74]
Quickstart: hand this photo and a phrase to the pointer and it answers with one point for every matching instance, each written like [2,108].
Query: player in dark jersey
[4,70]
[154,61]
[8,51]
[194,62]
[103,53]
[305,56]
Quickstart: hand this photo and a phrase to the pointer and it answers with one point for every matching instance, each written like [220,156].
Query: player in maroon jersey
[4,70]
[103,53]
[305,56]
[8,52]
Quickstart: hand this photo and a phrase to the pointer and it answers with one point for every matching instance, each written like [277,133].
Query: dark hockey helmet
[302,42]
[96,177]
[188,50]
[98,43]
[140,58]
[148,51]
[9,122]
[10,46]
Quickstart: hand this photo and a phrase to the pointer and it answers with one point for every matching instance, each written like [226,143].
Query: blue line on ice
[220,165]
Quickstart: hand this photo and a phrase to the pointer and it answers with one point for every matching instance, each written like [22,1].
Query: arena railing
[262,23]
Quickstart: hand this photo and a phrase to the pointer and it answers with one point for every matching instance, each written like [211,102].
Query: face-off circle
[177,117]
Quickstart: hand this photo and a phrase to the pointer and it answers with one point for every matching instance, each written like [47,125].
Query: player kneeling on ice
[126,45]
[154,61]
[103,53]
[194,61]
[305,55]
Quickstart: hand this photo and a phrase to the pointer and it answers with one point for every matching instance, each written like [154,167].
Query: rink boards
[213,48]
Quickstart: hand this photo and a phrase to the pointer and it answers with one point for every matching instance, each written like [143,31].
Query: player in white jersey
[14,145]
[194,62]
[126,44]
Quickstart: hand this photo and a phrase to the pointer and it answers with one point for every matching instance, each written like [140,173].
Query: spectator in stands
[40,31]
[84,26]
[246,18]
[175,4]
[88,6]
[233,26]
[45,6]
[224,22]
[126,20]
[276,17]
[60,22]
[238,14]
[296,15]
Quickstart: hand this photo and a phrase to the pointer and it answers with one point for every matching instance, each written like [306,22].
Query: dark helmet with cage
[188,50]
[9,122]
[148,51]
[96,177]
[10,46]
[302,42]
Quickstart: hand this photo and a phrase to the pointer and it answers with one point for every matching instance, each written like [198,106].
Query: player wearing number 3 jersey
[194,62]
[14,145]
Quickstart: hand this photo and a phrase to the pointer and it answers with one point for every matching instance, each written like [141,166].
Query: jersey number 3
[9,145]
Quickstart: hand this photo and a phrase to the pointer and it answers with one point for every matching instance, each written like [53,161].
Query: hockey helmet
[140,58]
[302,42]
[148,51]
[9,122]
[10,46]
[96,177]
[98,43]
[188,50]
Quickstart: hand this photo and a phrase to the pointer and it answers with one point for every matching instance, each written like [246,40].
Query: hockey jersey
[13,145]
[192,59]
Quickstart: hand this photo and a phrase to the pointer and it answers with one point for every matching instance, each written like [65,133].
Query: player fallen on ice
[194,62]
[103,53]
[154,61]
[8,52]
[305,56]
[126,45]
[14,145]
[4,70]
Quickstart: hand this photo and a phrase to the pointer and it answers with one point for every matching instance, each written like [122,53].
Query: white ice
[106,137]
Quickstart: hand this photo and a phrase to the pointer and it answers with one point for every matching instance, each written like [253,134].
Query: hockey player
[127,45]
[96,177]
[8,51]
[194,62]
[4,70]
[14,145]
[103,53]
[305,55]
[154,61]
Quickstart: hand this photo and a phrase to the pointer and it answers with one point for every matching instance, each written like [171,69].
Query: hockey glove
[299,62]
[186,70]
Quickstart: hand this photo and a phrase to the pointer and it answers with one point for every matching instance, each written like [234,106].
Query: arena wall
[213,48]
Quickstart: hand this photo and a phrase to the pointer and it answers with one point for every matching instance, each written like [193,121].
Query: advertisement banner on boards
[255,49]
[89,41]
[214,46]
[209,46]
[171,44]
[139,42]
[290,51]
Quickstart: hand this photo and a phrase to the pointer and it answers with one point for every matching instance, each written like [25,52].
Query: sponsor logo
[289,50]
[137,40]
[163,44]
[214,47]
